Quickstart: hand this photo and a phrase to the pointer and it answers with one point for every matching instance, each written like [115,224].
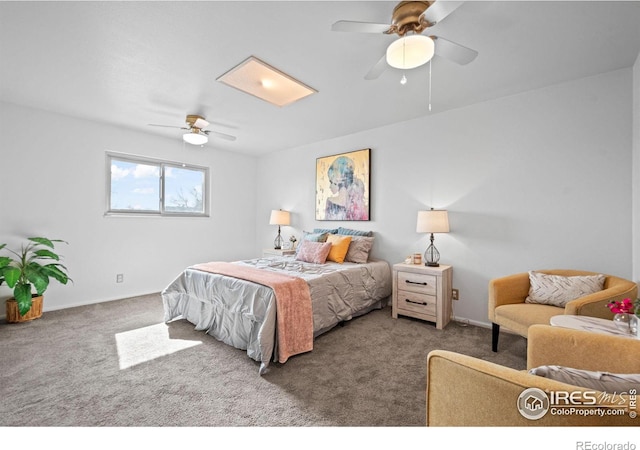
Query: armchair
[486,394]
[507,305]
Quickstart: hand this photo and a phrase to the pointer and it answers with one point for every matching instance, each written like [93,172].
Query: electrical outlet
[119,278]
[455,294]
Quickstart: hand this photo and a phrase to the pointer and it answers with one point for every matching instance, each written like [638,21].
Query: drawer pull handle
[415,282]
[417,303]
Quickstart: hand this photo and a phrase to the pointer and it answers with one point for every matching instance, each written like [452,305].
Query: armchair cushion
[519,317]
[558,290]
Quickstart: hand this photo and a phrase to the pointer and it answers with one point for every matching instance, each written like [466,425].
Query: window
[141,186]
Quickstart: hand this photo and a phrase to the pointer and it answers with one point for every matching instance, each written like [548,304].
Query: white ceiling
[134,63]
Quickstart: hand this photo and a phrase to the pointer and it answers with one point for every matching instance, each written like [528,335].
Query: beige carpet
[116,364]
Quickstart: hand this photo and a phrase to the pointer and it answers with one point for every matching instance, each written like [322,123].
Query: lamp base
[277,243]
[431,255]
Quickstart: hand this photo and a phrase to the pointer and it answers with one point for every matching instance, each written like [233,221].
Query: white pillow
[557,290]
[599,381]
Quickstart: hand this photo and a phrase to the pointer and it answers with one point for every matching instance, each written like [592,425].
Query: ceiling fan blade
[224,136]
[359,27]
[454,52]
[439,10]
[167,126]
[377,69]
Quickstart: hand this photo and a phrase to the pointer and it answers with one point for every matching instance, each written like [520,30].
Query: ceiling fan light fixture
[409,52]
[195,138]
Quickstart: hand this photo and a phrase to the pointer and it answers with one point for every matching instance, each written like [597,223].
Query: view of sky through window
[136,186]
[183,189]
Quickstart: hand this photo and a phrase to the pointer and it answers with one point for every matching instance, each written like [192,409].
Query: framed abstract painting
[342,186]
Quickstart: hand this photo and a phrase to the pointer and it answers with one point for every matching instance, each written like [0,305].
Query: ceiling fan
[412,49]
[197,135]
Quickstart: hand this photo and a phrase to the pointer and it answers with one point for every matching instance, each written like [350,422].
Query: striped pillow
[600,381]
[557,290]
[326,230]
[350,232]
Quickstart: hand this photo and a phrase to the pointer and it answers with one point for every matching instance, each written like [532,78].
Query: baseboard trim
[76,305]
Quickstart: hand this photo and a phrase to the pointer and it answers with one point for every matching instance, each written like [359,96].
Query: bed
[249,315]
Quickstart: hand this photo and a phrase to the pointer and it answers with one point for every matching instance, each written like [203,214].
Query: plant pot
[13,314]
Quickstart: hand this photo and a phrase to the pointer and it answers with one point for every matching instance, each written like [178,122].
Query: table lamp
[279,217]
[432,221]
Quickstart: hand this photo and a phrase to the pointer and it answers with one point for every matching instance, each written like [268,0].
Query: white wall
[52,183]
[536,180]
[636,171]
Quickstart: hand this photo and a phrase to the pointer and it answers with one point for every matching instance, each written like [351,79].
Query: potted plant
[29,270]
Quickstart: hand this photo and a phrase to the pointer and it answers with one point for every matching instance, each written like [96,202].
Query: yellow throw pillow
[339,247]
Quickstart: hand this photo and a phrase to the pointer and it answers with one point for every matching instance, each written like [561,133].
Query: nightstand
[277,252]
[422,292]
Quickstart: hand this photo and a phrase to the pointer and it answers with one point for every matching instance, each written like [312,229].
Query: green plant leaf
[11,275]
[52,270]
[46,254]
[38,277]
[4,261]
[42,241]
[2,246]
[46,241]
[22,294]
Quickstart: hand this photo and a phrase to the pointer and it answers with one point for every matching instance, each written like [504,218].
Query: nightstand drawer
[417,282]
[422,292]
[417,303]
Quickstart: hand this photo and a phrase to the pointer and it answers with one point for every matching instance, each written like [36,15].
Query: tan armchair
[507,305]
[466,391]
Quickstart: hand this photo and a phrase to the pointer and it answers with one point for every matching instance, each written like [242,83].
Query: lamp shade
[410,51]
[433,221]
[280,217]
[195,138]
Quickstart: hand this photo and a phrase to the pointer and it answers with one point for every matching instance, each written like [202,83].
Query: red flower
[625,306]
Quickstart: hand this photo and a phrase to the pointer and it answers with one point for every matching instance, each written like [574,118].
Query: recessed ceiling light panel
[257,78]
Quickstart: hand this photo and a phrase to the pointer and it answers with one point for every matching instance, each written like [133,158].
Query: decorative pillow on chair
[600,381]
[313,252]
[557,290]
[339,247]
[359,249]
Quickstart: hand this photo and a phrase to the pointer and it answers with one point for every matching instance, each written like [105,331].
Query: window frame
[162,164]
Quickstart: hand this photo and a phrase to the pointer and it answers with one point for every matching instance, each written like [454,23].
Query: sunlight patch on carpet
[148,343]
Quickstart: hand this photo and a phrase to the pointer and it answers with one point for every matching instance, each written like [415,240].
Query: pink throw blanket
[294,316]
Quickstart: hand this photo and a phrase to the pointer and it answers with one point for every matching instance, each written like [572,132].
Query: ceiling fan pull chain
[429,85]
